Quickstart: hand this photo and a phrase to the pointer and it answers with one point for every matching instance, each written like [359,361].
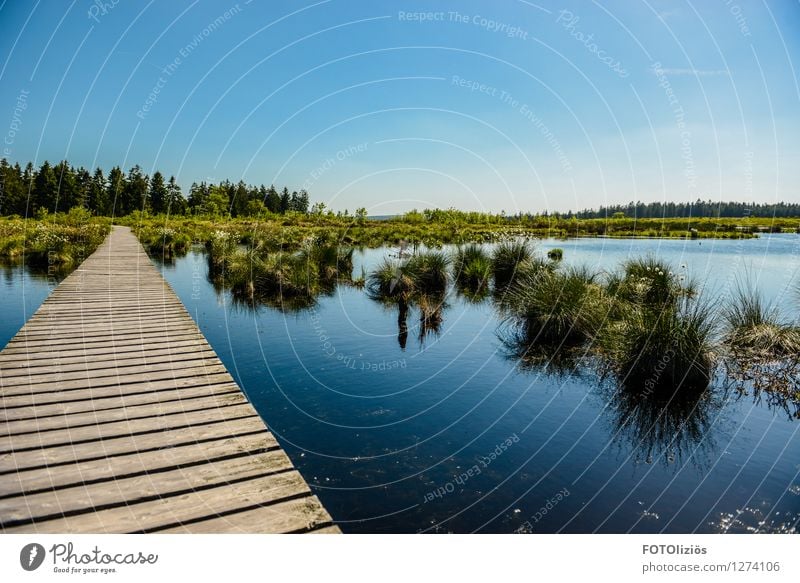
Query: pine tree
[273,200]
[285,199]
[158,193]
[97,196]
[116,190]
[134,195]
[176,204]
[45,188]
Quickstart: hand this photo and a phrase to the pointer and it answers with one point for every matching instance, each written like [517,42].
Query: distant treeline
[697,209]
[61,187]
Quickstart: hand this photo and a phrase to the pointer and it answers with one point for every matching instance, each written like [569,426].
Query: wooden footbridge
[117,416]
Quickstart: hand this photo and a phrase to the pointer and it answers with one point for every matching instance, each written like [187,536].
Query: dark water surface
[450,434]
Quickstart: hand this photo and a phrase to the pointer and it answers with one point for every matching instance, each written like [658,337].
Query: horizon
[404,106]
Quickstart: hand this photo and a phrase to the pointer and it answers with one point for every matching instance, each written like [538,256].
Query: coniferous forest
[61,187]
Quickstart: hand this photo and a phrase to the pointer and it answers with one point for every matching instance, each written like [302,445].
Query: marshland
[655,379]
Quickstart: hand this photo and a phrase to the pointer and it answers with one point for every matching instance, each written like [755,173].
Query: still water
[450,434]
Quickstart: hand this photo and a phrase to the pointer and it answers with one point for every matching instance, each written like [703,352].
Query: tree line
[697,209]
[58,188]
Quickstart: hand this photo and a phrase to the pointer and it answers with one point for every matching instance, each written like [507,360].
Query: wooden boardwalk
[117,416]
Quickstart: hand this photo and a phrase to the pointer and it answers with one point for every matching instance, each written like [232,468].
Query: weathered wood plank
[289,516]
[94,365]
[84,354]
[113,389]
[168,511]
[72,453]
[144,487]
[112,468]
[21,367]
[128,427]
[114,377]
[111,403]
[130,413]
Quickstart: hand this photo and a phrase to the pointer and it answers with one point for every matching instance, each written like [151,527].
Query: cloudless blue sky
[365,107]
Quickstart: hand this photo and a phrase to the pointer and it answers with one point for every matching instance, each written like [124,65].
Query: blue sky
[507,105]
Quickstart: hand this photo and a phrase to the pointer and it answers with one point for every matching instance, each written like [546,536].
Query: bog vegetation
[646,324]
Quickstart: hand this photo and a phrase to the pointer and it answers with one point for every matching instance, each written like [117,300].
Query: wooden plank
[104,333]
[26,345]
[169,511]
[81,354]
[72,453]
[23,369]
[131,412]
[113,390]
[113,377]
[112,468]
[145,487]
[81,326]
[110,403]
[290,516]
[20,367]
[128,427]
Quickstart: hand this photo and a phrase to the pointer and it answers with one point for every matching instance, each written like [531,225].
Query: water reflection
[659,425]
[666,426]
[533,356]
[773,382]
[13,270]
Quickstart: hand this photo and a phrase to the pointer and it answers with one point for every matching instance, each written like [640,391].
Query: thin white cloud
[696,72]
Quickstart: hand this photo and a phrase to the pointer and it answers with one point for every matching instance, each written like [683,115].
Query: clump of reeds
[664,347]
[278,278]
[555,307]
[422,279]
[651,282]
[164,241]
[756,329]
[390,282]
[763,350]
[423,274]
[429,271]
[509,259]
[472,268]
[556,254]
